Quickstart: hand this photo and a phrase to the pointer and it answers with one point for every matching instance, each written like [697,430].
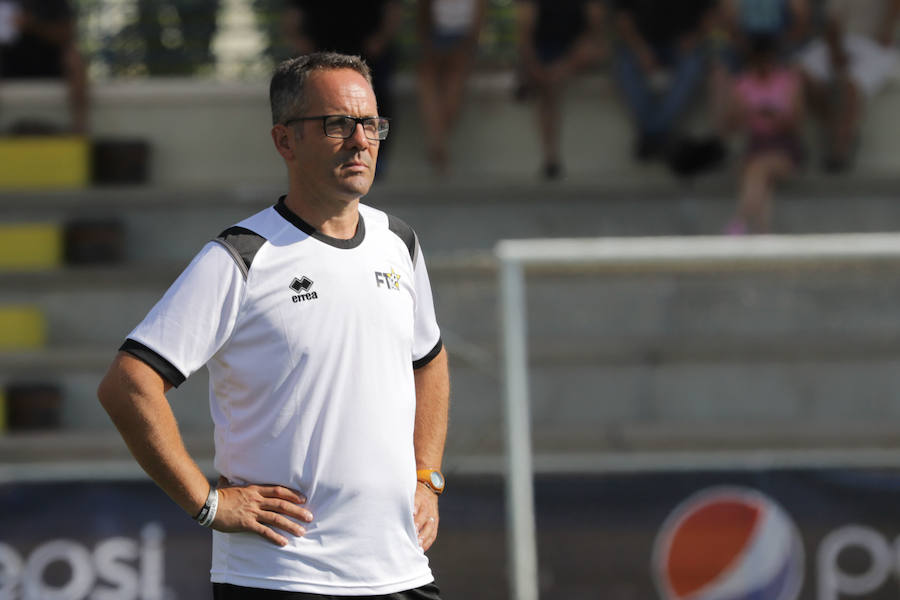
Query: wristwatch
[433,479]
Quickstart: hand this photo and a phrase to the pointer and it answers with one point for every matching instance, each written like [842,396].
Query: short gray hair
[286,90]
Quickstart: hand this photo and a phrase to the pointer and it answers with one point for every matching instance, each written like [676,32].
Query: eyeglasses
[344,126]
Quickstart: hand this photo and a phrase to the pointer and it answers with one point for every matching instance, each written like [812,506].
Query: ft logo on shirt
[390,280]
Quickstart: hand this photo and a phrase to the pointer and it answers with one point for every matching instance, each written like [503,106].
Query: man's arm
[630,35]
[432,409]
[133,395]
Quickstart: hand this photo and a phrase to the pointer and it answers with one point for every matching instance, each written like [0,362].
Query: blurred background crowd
[758,70]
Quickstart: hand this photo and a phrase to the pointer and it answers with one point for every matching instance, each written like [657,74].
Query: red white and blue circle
[728,543]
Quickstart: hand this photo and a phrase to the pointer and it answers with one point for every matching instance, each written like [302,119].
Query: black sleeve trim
[418,364]
[167,370]
[242,244]
[405,233]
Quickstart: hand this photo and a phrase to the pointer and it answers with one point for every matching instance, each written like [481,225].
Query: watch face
[436,480]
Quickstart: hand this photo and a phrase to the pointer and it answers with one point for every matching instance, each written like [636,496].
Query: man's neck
[335,219]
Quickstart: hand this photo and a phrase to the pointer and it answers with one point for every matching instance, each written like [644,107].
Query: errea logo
[302,287]
[390,280]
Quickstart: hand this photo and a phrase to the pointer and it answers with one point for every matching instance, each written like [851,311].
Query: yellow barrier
[30,246]
[44,162]
[22,328]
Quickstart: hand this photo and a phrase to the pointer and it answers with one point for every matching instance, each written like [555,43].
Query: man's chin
[358,185]
[358,182]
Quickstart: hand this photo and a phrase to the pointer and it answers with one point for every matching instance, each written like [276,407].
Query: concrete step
[184,120]
[578,311]
[163,224]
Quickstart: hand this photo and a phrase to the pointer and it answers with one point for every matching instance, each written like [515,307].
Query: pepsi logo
[728,543]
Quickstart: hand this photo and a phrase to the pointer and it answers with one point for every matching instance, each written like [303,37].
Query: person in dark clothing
[41,43]
[557,39]
[660,63]
[186,53]
[365,28]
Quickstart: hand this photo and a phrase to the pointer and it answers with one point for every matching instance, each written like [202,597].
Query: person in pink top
[768,108]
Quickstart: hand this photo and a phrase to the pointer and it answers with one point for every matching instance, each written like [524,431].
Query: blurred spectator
[557,39]
[177,34]
[366,28]
[768,108]
[38,40]
[847,66]
[660,62]
[738,21]
[448,36]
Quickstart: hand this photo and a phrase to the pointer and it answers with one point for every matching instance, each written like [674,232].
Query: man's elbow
[108,390]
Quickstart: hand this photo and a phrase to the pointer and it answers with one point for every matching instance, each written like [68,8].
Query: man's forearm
[134,397]
[432,411]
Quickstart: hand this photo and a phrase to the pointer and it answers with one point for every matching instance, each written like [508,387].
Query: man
[38,40]
[313,25]
[329,384]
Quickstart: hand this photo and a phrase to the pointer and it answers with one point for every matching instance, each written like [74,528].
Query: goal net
[827,297]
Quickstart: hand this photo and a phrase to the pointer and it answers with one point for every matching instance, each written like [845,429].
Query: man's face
[333,167]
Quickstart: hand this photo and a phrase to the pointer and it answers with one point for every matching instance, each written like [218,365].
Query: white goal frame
[618,255]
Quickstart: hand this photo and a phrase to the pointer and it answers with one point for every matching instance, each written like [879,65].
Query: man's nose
[359,139]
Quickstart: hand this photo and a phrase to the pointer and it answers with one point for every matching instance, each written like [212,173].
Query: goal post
[618,255]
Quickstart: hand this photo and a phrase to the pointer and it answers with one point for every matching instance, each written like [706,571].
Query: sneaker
[551,171]
[694,156]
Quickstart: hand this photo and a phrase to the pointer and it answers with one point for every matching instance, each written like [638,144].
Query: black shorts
[226,591]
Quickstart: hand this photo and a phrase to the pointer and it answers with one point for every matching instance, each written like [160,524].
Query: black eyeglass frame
[357,121]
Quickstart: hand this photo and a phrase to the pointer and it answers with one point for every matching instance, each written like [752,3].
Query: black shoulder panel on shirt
[405,233]
[243,244]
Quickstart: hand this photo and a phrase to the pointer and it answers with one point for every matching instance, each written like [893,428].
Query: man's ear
[283,138]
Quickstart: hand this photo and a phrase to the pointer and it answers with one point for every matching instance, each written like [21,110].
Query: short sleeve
[194,318]
[427,335]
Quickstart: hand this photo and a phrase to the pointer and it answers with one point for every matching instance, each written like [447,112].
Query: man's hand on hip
[426,515]
[261,509]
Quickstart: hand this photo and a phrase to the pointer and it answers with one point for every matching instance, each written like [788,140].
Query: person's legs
[721,83]
[635,87]
[756,189]
[688,72]
[77,88]
[844,118]
[432,112]
[455,74]
[549,98]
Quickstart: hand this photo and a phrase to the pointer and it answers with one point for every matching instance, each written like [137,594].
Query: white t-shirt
[453,16]
[310,343]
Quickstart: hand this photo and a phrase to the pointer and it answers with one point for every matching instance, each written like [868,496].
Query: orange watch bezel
[424,476]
